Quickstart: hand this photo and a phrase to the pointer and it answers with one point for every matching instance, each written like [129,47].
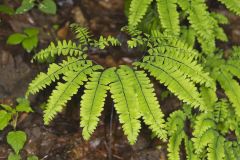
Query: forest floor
[62,139]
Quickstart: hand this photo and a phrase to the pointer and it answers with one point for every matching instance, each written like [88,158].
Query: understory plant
[9,117]
[205,127]
[28,39]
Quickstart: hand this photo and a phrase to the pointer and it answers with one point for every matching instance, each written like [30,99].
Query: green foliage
[190,18]
[28,39]
[130,87]
[16,139]
[232,5]
[46,6]
[8,114]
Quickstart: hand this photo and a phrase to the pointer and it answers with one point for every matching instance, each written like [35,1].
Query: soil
[62,139]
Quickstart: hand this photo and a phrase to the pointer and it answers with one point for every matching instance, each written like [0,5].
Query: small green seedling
[28,39]
[9,116]
[46,6]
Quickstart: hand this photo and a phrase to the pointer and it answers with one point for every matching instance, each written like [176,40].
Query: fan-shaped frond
[93,101]
[169,17]
[148,104]
[62,48]
[137,11]
[176,82]
[125,100]
[64,91]
[232,5]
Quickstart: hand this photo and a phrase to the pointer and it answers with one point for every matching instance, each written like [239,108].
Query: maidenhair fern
[173,15]
[172,62]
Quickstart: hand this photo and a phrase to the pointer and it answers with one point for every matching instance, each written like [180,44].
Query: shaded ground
[62,140]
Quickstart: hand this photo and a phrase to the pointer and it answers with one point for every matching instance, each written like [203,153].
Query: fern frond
[62,48]
[105,42]
[171,44]
[201,22]
[221,111]
[176,82]
[232,5]
[229,151]
[54,71]
[221,19]
[148,104]
[64,91]
[137,11]
[169,17]
[174,143]
[205,135]
[233,67]
[185,64]
[204,122]
[126,104]
[92,102]
[190,149]
[231,88]
[184,4]
[175,124]
[188,36]
[216,148]
[209,96]
[82,34]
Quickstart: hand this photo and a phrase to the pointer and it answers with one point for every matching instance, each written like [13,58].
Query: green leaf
[16,38]
[32,158]
[4,119]
[6,9]
[16,139]
[48,6]
[30,43]
[31,31]
[23,105]
[6,107]
[25,6]
[13,156]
